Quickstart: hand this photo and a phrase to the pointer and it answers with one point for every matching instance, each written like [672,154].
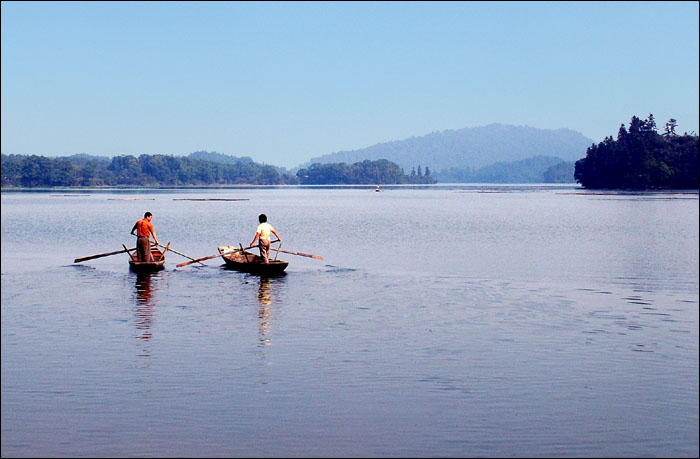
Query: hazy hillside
[222,158]
[470,148]
[219,157]
[538,169]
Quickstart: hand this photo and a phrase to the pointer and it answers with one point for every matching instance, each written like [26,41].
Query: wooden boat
[157,264]
[250,263]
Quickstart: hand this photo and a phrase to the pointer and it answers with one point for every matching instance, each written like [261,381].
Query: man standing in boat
[263,234]
[144,229]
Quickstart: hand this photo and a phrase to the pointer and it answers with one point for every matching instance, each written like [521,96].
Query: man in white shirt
[263,235]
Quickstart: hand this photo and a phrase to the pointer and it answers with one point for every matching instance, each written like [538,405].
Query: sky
[284,82]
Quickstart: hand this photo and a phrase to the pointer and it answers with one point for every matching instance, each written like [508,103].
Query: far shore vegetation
[639,159]
[19,171]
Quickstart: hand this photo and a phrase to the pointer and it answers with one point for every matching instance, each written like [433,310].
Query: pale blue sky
[285,82]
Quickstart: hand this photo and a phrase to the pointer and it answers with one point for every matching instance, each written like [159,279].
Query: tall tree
[670,128]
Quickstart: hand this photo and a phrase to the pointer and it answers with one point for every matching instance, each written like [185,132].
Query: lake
[450,321]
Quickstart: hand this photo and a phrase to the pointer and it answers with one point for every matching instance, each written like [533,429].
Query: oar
[279,249]
[133,258]
[175,251]
[207,258]
[318,257]
[163,252]
[245,254]
[100,255]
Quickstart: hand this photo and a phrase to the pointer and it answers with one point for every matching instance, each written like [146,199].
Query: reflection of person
[263,235]
[264,291]
[144,307]
[144,229]
[268,290]
[264,311]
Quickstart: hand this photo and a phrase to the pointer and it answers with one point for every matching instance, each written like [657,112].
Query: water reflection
[264,291]
[267,295]
[145,287]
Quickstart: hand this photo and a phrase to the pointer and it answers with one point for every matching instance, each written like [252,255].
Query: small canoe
[250,263]
[148,266]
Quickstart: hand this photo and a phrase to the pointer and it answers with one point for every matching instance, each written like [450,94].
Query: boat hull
[250,263]
[149,266]
[146,266]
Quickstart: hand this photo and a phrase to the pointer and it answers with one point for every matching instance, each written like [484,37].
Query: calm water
[443,321]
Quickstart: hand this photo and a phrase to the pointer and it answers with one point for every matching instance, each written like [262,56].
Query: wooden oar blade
[100,255]
[179,253]
[185,263]
[318,257]
[205,258]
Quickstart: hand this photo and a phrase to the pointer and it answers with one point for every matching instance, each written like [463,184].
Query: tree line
[164,170]
[146,170]
[641,159]
[381,171]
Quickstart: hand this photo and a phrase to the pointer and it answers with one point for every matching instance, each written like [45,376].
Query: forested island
[381,171]
[641,159]
[164,170]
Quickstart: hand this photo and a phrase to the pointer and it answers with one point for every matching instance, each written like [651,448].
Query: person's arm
[257,235]
[153,232]
[134,228]
[276,234]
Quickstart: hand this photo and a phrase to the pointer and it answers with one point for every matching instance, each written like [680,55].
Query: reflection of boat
[144,291]
[145,308]
[157,264]
[250,263]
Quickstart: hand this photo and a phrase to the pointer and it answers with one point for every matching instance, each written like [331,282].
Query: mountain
[530,170]
[219,157]
[222,158]
[537,169]
[471,148]
[82,158]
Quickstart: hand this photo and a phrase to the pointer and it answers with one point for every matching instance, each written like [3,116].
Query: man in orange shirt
[144,229]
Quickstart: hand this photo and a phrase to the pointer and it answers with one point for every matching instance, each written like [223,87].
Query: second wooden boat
[250,263]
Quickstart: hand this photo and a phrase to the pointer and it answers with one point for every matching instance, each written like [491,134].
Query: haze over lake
[448,320]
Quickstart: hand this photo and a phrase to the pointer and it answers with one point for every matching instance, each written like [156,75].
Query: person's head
[262,218]
[147,214]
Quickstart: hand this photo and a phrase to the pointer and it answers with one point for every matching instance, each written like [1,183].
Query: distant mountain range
[493,153]
[470,148]
[219,157]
